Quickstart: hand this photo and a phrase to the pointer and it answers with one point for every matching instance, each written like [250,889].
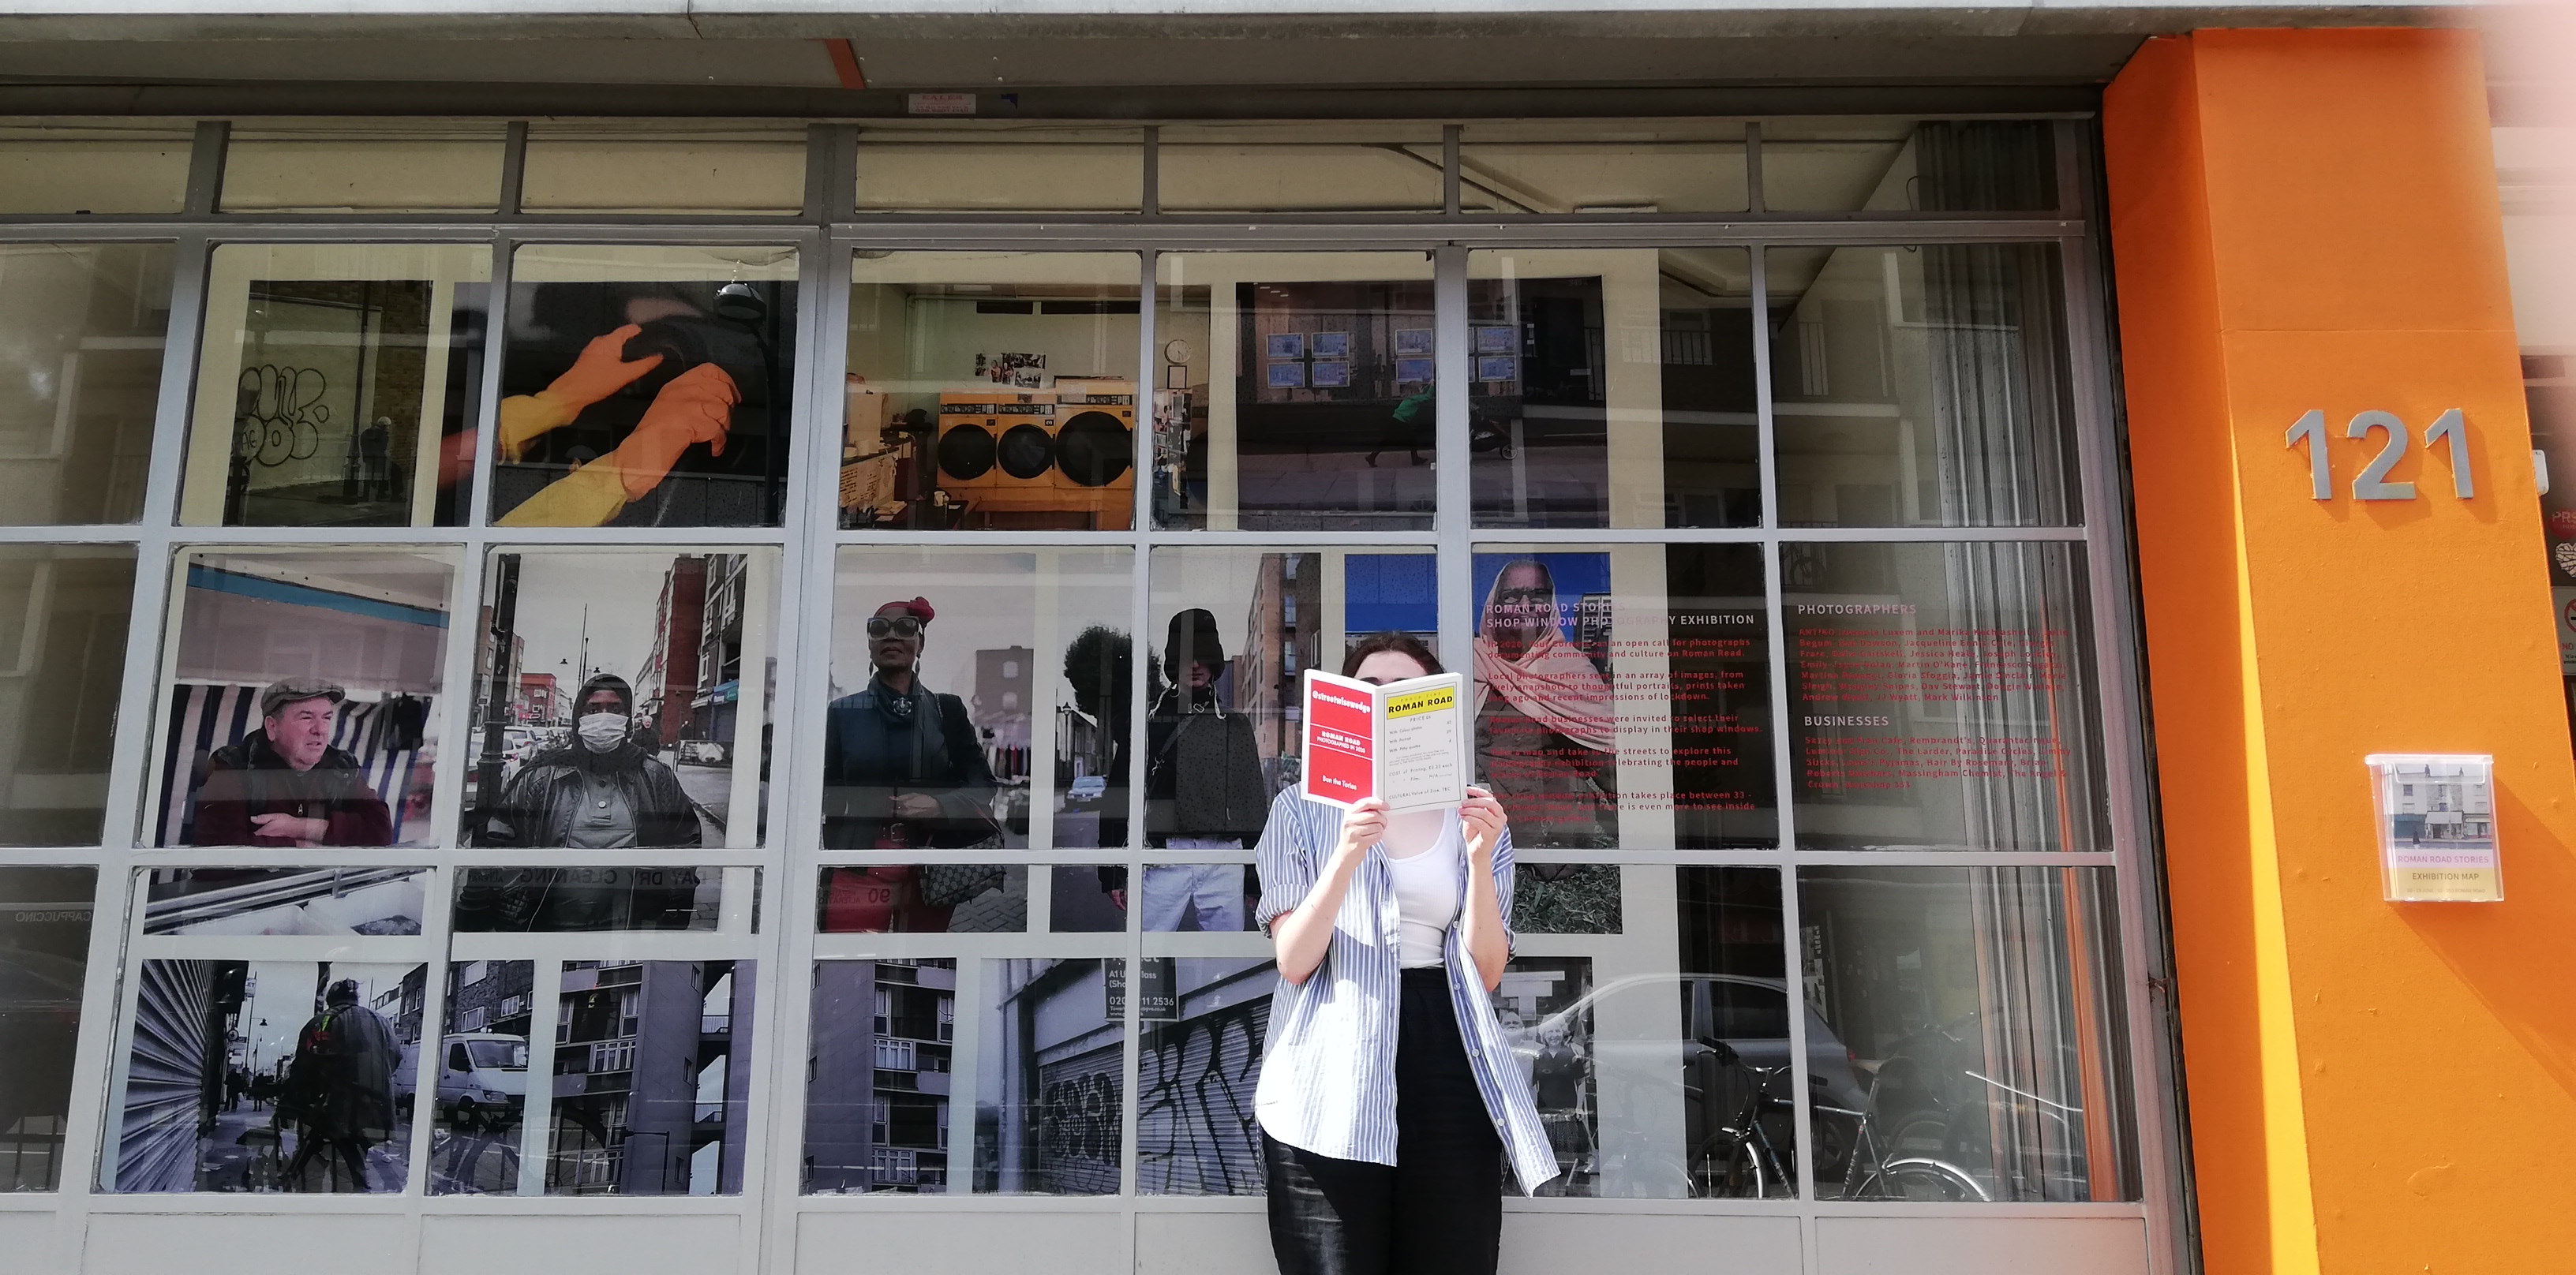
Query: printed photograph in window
[301,706]
[646,387]
[337,385]
[1049,1098]
[478,1073]
[991,391]
[622,699]
[882,1093]
[1196,1068]
[82,329]
[976,697]
[595,897]
[652,1078]
[63,622]
[44,959]
[244,901]
[925,898]
[266,1076]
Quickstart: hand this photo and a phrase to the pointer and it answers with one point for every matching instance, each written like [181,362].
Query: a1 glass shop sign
[1156,979]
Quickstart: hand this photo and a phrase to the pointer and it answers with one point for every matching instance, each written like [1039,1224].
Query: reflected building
[877,1101]
[649,1086]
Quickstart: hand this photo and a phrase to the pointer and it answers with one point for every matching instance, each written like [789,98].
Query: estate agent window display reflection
[283,784]
[1204,787]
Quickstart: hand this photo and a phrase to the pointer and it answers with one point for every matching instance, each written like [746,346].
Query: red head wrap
[919,607]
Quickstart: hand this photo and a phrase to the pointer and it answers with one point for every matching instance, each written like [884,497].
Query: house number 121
[2372,483]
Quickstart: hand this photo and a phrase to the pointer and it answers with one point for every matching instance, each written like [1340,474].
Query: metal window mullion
[514,167]
[1755,201]
[1450,135]
[1453,495]
[433,1035]
[487,407]
[1149,199]
[1140,611]
[206,168]
[89,1123]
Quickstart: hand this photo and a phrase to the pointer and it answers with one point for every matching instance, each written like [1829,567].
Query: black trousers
[1439,1209]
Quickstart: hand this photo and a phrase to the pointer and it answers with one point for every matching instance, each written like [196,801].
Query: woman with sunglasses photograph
[902,764]
[1389,1101]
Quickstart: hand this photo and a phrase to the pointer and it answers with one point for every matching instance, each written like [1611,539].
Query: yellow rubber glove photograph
[696,407]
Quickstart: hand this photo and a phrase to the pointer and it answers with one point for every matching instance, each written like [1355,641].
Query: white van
[482,1076]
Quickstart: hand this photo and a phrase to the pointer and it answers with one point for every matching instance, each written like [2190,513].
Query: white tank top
[1427,895]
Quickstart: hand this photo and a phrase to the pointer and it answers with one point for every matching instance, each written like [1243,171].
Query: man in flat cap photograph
[283,783]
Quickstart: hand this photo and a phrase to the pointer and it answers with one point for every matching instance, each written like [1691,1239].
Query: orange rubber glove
[696,407]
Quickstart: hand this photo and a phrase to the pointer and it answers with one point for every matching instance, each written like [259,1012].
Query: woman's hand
[1301,935]
[1482,819]
[1363,825]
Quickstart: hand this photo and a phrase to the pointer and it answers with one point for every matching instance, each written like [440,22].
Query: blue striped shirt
[1328,1074]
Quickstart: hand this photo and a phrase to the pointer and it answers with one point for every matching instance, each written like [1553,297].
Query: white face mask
[601,731]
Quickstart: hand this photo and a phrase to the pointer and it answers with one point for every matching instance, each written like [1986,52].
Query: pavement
[227,1160]
[711,787]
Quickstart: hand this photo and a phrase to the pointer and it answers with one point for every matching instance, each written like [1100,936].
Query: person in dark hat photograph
[284,784]
[1204,786]
[903,765]
[340,1091]
[597,789]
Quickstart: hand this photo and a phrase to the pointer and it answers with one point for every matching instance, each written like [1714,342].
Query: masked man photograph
[283,784]
[598,790]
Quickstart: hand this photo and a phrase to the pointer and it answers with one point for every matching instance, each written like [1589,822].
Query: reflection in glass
[646,387]
[81,333]
[556,900]
[44,957]
[1613,388]
[95,165]
[336,385]
[991,391]
[623,698]
[1195,1072]
[301,709]
[1857,164]
[671,167]
[652,1078]
[1212,898]
[478,1073]
[1941,697]
[266,1076]
[970,688]
[1602,166]
[916,166]
[1978,1003]
[926,898]
[1083,899]
[1296,391]
[1565,898]
[880,1085]
[239,901]
[1049,1103]
[375,165]
[63,619]
[1300,166]
[1921,386]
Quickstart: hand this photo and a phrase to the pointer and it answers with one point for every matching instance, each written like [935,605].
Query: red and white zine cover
[1405,741]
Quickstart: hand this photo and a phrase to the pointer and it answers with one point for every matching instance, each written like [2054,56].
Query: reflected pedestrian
[342,1082]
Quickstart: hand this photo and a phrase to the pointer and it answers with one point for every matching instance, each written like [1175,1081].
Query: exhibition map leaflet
[1404,741]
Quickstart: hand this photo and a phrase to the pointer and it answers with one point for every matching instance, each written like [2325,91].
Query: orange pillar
[2307,220]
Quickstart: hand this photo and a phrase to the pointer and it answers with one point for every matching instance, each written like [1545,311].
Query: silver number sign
[2451,427]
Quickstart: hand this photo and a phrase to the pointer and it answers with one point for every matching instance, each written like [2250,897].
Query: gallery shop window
[44,944]
[1296,391]
[985,166]
[1613,388]
[992,391]
[351,166]
[336,385]
[82,328]
[646,387]
[105,164]
[970,691]
[622,698]
[1602,166]
[1921,386]
[63,623]
[302,701]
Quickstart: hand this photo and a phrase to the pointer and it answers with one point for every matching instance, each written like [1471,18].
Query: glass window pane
[975,166]
[1613,388]
[646,387]
[372,165]
[652,1078]
[242,901]
[1980,1004]
[954,670]
[991,391]
[1296,391]
[44,947]
[1921,387]
[303,696]
[1087,899]
[1195,1072]
[1898,165]
[670,167]
[517,900]
[265,1076]
[100,165]
[675,648]
[1299,166]
[63,620]
[1050,1102]
[478,1073]
[1602,166]
[1941,697]
[925,898]
[889,1053]
[1192,898]
[81,333]
[336,385]
[1624,696]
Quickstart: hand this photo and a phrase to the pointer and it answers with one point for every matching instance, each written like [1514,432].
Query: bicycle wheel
[1741,1176]
[1919,1178]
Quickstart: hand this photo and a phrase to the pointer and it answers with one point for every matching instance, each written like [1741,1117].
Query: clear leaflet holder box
[2436,818]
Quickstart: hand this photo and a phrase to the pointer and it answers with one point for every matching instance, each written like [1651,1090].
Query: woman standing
[1388,1097]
